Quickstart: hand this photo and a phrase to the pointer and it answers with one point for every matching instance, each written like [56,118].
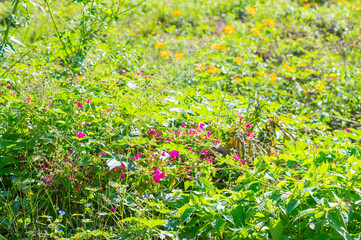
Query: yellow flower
[80,78]
[165,53]
[177,13]
[1,12]
[72,5]
[355,8]
[229,29]
[215,46]
[264,25]
[342,1]
[320,96]
[238,60]
[262,74]
[200,67]
[159,45]
[255,31]
[237,79]
[212,68]
[320,86]
[273,77]
[251,10]
[333,75]
[288,67]
[306,6]
[270,22]
[179,56]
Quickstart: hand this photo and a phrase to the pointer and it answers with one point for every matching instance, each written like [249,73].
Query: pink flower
[335,163]
[80,105]
[169,140]
[209,160]
[174,154]
[274,153]
[205,152]
[248,134]
[347,130]
[243,162]
[202,125]
[46,180]
[151,131]
[43,168]
[9,86]
[142,71]
[123,175]
[28,99]
[236,157]
[248,126]
[80,135]
[88,101]
[103,153]
[71,151]
[240,117]
[157,175]
[137,156]
[183,125]
[112,209]
[122,166]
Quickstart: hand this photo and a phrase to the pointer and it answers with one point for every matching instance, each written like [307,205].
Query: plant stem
[56,29]
[9,24]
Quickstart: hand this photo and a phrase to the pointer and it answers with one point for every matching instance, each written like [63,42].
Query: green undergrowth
[202,119]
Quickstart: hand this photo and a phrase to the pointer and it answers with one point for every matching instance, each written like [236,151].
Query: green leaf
[238,215]
[219,225]
[156,222]
[292,204]
[276,229]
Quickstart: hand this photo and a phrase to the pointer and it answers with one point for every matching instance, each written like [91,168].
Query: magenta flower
[88,101]
[248,126]
[80,135]
[103,153]
[28,99]
[248,134]
[112,209]
[71,151]
[205,152]
[274,153]
[243,162]
[240,117]
[80,105]
[335,163]
[151,131]
[169,140]
[209,160]
[46,180]
[122,166]
[183,125]
[236,157]
[137,156]
[174,154]
[157,175]
[123,175]
[201,125]
[142,71]
[9,86]
[347,130]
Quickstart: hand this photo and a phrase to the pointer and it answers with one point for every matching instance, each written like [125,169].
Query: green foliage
[180,120]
